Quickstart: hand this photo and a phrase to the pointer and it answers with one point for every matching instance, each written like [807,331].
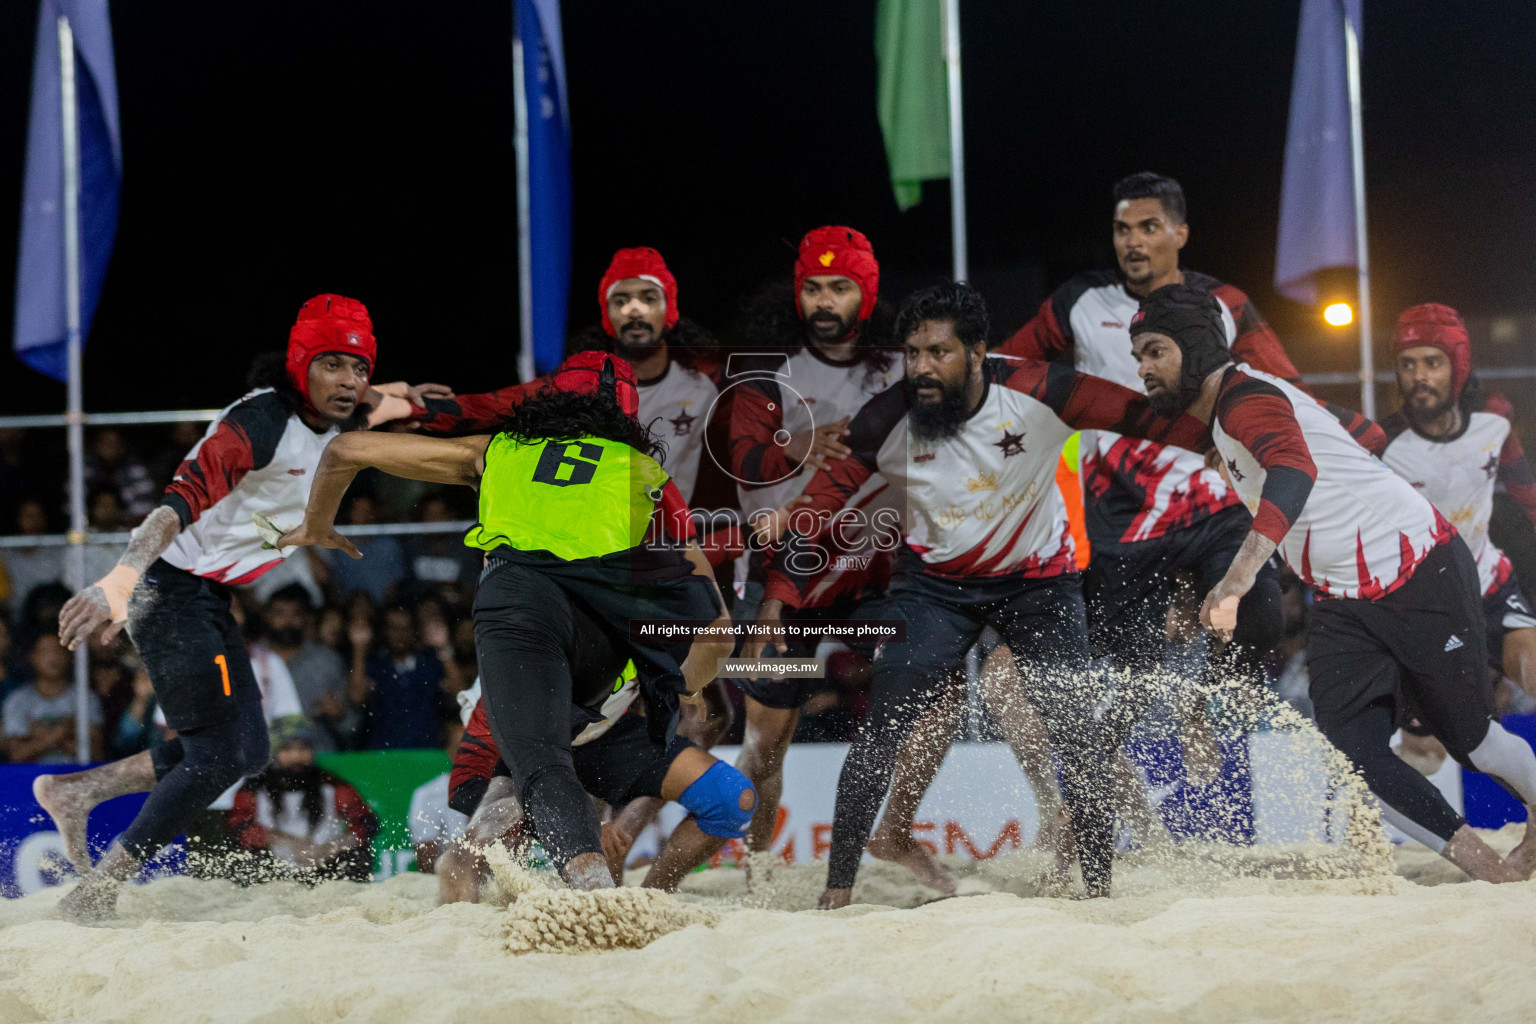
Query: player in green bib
[576,518]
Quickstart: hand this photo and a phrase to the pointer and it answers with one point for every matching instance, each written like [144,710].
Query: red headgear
[1441,327]
[590,372]
[842,251]
[328,323]
[642,262]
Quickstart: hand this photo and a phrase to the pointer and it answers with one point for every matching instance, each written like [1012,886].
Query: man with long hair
[676,381]
[814,357]
[574,512]
[1453,443]
[171,590]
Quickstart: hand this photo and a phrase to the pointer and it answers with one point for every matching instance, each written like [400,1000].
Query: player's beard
[637,337]
[1169,404]
[1169,400]
[942,420]
[826,319]
[1420,414]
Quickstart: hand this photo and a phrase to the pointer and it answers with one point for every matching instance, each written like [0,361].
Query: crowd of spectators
[355,655]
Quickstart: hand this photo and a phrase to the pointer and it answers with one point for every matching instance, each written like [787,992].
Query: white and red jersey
[1458,474]
[775,397]
[676,406]
[1135,490]
[1344,522]
[984,502]
[257,456]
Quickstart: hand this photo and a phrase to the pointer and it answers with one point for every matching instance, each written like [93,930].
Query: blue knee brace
[715,800]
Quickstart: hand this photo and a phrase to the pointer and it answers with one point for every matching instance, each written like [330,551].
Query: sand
[1246,938]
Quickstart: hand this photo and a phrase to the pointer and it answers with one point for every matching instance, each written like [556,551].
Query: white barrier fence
[980,804]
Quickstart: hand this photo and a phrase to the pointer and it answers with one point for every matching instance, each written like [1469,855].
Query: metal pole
[525,366]
[956,140]
[76,566]
[1357,152]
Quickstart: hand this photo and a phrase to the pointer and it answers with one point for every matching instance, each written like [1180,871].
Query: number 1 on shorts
[218,659]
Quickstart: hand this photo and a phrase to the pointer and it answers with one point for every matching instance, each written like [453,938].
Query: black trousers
[201,670]
[532,625]
[1043,624]
[1130,587]
[1420,651]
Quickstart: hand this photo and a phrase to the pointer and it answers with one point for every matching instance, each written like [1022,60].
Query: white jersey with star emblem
[1457,475]
[676,407]
[982,502]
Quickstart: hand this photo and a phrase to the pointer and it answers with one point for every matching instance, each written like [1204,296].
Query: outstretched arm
[106,600]
[434,460]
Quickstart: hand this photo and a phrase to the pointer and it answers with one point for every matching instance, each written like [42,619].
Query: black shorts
[1129,587]
[192,647]
[789,694]
[1505,609]
[1422,647]
[614,590]
[1041,620]
[621,765]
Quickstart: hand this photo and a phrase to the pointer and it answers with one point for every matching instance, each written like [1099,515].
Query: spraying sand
[1247,936]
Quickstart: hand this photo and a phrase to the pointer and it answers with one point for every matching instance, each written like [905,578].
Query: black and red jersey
[1343,522]
[258,456]
[1136,490]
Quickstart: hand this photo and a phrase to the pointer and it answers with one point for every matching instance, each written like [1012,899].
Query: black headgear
[1192,318]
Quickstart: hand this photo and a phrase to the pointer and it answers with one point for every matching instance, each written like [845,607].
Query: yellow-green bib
[575,499]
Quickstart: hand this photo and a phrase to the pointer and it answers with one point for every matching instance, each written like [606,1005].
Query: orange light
[1339,314]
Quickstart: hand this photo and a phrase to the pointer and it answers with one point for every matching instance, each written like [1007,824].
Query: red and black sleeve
[757,414]
[244,439]
[475,414]
[1514,470]
[1258,416]
[1048,334]
[796,565]
[1369,434]
[1086,402]
[1256,342]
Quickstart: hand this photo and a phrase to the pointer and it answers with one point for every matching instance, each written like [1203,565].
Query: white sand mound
[1256,937]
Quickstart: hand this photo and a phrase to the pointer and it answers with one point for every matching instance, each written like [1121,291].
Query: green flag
[914,94]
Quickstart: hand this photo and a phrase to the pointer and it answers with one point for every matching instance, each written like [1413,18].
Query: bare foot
[907,852]
[1057,839]
[834,899]
[1522,859]
[92,901]
[69,813]
[587,872]
[1467,851]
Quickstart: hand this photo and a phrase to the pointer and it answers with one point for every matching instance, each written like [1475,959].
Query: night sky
[280,149]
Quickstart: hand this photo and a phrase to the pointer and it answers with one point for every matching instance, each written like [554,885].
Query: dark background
[280,149]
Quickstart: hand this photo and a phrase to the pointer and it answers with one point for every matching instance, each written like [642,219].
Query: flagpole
[956,140]
[73,416]
[525,364]
[1357,154]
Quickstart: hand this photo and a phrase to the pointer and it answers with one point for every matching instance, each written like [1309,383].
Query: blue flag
[549,175]
[1317,197]
[40,328]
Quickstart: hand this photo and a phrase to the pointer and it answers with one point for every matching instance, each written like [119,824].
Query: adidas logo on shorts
[1453,644]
